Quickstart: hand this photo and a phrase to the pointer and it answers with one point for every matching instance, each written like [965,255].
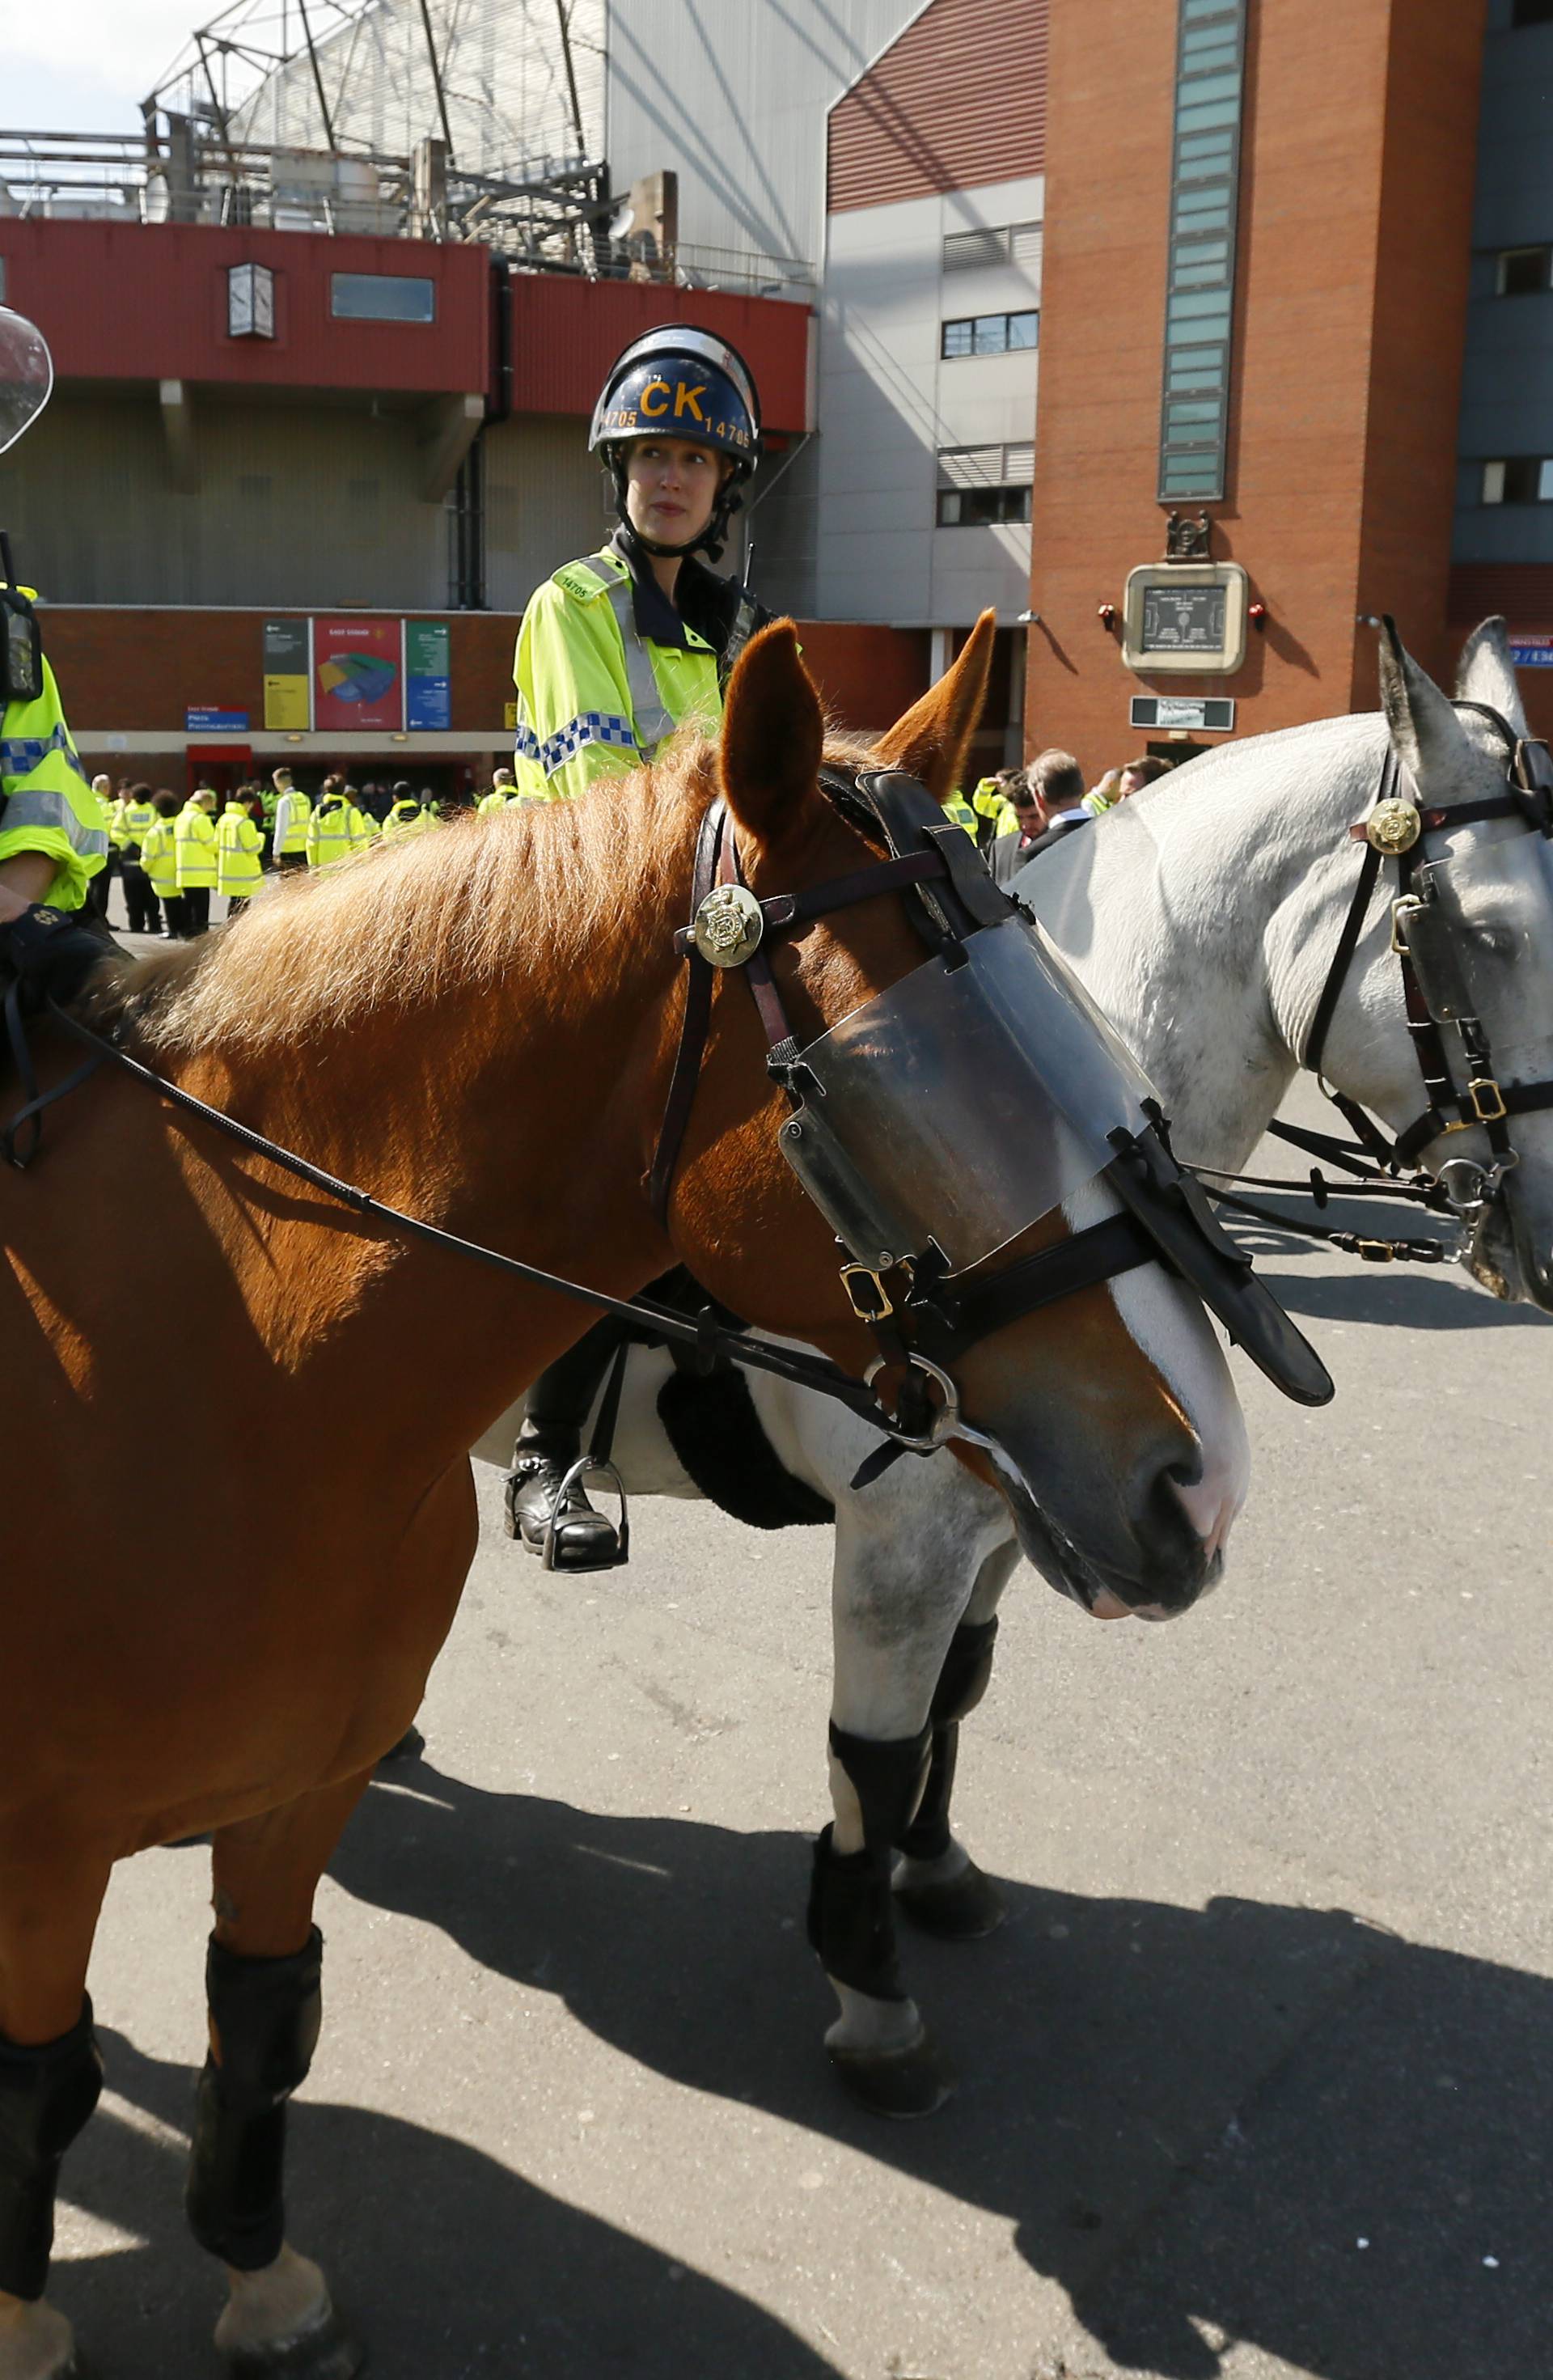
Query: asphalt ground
[1256,2080]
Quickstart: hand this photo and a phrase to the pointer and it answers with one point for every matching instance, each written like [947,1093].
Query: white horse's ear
[1425,732]
[1487,673]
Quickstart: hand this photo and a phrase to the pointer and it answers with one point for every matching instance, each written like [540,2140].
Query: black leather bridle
[1395,829]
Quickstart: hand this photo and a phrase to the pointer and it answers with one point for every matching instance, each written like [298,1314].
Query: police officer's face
[672,488]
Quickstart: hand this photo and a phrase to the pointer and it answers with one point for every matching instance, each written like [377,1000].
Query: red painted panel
[567,332]
[148,301]
[959,100]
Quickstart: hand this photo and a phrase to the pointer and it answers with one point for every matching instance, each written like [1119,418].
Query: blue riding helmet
[678,382]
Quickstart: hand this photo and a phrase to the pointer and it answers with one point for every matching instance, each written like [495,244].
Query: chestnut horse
[479,1026]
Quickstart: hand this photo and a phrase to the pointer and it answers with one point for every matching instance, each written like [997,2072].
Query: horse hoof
[963,1908]
[327,2352]
[897,2083]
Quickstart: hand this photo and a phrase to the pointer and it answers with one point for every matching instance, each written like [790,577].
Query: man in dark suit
[1047,805]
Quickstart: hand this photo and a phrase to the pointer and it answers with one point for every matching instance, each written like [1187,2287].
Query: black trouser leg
[172,903]
[265,2015]
[197,909]
[45,2097]
[140,901]
[562,1397]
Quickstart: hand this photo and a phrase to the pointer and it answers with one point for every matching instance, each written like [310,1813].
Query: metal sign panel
[1532,652]
[1215,714]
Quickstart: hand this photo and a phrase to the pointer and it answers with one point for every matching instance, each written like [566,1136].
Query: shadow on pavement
[448,2264]
[1192,2118]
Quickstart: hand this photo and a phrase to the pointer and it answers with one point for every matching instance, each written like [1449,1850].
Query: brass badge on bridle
[728,925]
[1394,826]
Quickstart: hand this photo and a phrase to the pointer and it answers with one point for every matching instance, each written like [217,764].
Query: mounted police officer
[53,835]
[615,653]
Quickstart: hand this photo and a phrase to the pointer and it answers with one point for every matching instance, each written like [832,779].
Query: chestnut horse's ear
[933,740]
[773,736]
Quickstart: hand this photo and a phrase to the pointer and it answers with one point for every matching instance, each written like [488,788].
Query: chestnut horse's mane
[424,914]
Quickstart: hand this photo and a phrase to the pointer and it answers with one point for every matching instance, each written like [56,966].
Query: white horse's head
[1493,904]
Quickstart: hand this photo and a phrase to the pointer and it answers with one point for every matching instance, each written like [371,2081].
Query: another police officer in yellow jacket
[615,653]
[238,872]
[194,852]
[336,827]
[54,840]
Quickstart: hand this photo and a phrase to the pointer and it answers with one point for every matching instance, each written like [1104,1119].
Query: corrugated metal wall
[734,98]
[959,100]
[316,508]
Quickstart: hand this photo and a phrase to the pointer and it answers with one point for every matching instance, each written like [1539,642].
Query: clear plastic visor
[1485,932]
[963,1103]
[26,375]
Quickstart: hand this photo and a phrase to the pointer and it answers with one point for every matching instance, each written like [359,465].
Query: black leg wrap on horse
[967,1666]
[850,1917]
[46,2096]
[265,2014]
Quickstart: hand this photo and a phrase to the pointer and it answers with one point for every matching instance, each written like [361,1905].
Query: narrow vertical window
[1199,303]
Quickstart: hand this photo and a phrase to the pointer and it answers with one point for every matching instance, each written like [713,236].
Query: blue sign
[1532,652]
[200,721]
[429,702]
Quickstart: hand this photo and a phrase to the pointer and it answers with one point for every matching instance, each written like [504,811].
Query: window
[1199,309]
[968,251]
[990,335]
[1519,479]
[2,279]
[979,485]
[382,298]
[980,507]
[1520,272]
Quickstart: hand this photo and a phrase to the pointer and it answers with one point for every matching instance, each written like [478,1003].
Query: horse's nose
[1187,1517]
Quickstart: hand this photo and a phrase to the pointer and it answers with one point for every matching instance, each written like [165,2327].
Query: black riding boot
[548,1445]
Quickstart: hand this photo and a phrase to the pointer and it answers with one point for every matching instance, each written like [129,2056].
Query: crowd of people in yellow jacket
[172,855]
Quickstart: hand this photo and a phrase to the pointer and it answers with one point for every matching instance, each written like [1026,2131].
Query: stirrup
[594,1466]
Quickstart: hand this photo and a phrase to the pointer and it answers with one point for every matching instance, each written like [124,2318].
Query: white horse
[1203,917]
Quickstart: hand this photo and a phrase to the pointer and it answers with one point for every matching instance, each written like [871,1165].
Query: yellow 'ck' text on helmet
[678,382]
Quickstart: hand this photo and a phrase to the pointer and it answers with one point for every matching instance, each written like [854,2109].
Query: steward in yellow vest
[194,849]
[159,857]
[237,845]
[137,816]
[336,827]
[293,809]
[614,653]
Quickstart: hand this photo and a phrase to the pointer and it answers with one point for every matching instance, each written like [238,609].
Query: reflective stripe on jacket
[335,829]
[49,807]
[194,844]
[159,857]
[494,800]
[593,698]
[237,846]
[406,818]
[136,821]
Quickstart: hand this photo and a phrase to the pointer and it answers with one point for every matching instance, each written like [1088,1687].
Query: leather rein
[1394,828]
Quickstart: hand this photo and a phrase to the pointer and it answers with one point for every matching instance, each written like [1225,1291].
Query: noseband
[1395,829]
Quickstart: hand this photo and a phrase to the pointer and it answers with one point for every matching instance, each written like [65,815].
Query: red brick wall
[566,334]
[958,100]
[1328,519]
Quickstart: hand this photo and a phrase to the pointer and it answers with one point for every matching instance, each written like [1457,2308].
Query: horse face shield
[946,1116]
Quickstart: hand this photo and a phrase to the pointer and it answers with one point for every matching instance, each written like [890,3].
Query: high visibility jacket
[237,845]
[995,809]
[594,698]
[115,809]
[194,842]
[495,799]
[293,811]
[49,805]
[371,829]
[159,857]
[406,818]
[136,820]
[335,829]
[268,797]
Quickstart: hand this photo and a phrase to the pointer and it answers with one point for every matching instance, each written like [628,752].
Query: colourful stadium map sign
[358,677]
